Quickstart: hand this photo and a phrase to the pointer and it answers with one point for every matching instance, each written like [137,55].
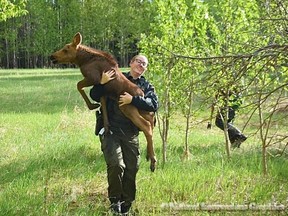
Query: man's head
[138,65]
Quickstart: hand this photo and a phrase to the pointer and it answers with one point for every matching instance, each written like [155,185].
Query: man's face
[138,66]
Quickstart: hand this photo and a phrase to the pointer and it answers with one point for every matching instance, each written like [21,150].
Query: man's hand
[209,125]
[107,76]
[125,98]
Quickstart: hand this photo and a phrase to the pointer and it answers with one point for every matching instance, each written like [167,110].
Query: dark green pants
[122,157]
[233,132]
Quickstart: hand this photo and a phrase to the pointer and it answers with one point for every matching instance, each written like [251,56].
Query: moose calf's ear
[77,40]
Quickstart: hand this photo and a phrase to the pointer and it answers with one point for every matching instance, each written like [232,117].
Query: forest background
[190,45]
[195,48]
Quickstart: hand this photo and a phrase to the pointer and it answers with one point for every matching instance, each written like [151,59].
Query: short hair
[134,57]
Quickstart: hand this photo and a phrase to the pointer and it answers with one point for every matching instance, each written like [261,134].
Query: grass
[51,162]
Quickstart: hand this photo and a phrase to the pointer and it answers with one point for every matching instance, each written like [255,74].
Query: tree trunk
[262,136]
[186,155]
[7,53]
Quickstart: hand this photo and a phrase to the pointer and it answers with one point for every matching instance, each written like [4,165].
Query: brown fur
[92,63]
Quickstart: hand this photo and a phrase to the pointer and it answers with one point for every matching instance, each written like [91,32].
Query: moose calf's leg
[104,114]
[80,85]
[146,127]
[132,113]
[150,150]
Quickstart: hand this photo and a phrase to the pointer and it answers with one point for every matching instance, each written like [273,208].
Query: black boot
[238,141]
[125,207]
[115,206]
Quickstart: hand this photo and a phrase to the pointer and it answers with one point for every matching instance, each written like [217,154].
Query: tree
[176,29]
[226,41]
[9,9]
[269,78]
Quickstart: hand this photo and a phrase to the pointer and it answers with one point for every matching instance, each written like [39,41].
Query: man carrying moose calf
[120,145]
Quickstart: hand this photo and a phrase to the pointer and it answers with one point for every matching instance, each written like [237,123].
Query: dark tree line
[114,26]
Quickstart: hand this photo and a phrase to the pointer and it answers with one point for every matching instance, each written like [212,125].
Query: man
[236,137]
[121,145]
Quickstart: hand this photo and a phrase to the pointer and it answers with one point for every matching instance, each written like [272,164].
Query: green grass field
[51,163]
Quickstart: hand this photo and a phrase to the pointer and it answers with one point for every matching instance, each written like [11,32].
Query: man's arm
[98,90]
[148,103]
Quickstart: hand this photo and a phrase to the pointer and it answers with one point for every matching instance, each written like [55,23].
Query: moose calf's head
[68,53]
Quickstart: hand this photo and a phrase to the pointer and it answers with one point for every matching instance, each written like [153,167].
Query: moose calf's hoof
[152,167]
[153,164]
[94,106]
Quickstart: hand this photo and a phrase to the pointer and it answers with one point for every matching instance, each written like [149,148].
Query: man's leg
[219,122]
[110,145]
[131,155]
[235,135]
